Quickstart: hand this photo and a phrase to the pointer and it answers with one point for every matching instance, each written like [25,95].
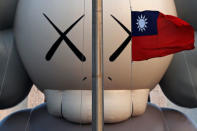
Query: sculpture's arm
[14,81]
[7,13]
[180,81]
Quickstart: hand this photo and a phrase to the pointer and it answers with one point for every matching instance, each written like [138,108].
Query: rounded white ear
[14,81]
[7,13]
[179,83]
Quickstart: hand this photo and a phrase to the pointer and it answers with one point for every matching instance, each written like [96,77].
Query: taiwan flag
[155,35]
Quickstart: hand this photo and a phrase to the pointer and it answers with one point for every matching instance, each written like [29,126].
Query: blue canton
[144,23]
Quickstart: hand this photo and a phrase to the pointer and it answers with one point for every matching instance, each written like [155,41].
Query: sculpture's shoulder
[16,121]
[22,120]
[36,119]
[177,121]
[165,119]
[154,119]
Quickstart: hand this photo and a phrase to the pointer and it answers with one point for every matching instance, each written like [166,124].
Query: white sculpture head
[59,59]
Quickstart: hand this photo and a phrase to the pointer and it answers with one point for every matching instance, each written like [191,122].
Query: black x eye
[115,55]
[62,37]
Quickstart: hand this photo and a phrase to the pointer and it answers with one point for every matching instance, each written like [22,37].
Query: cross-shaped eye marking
[65,38]
[123,45]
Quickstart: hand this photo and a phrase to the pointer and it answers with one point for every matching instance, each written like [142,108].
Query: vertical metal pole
[97,66]
[131,37]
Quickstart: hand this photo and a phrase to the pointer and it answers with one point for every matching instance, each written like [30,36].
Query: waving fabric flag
[155,34]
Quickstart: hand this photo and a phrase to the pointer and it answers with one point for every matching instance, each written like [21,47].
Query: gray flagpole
[131,38]
[97,66]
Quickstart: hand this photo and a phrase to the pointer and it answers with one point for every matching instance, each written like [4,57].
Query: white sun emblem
[142,23]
